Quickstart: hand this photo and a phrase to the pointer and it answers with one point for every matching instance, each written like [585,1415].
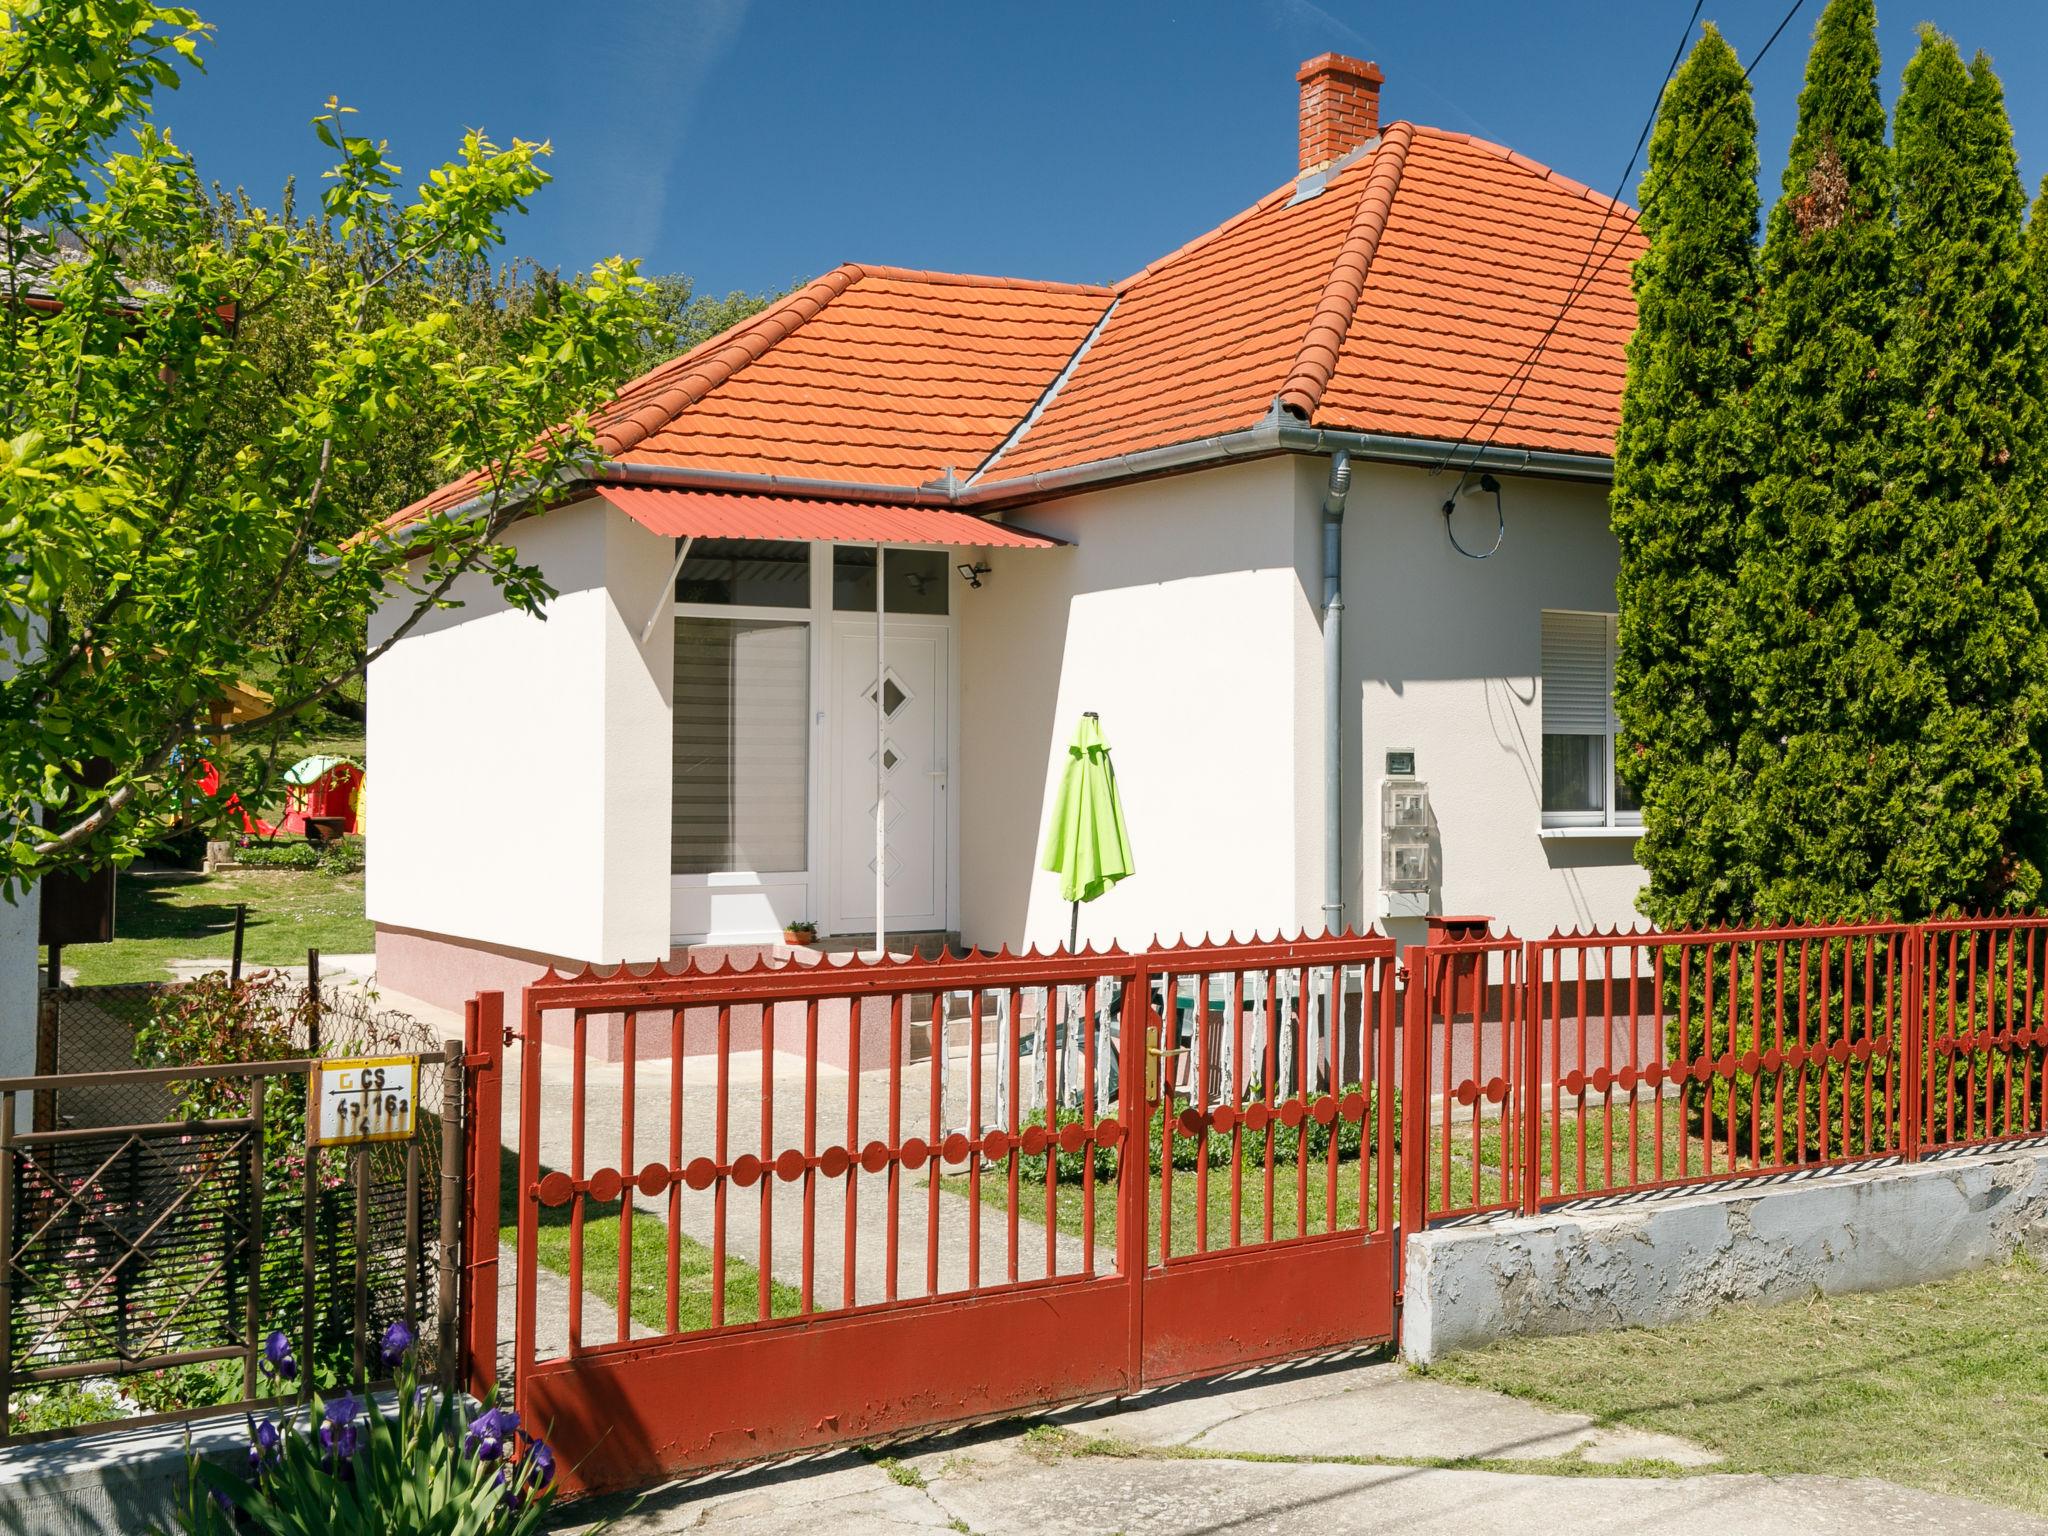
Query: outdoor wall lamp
[972,574]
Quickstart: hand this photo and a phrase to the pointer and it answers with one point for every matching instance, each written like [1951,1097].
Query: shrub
[1774,985]
[1187,1150]
[267,1016]
[262,1017]
[292,854]
[343,856]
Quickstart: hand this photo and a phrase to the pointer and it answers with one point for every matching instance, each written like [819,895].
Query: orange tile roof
[1399,300]
[1404,298]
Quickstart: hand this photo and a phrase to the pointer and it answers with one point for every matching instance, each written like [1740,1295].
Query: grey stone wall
[1663,1259]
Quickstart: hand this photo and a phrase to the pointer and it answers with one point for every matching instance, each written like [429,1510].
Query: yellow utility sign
[362,1099]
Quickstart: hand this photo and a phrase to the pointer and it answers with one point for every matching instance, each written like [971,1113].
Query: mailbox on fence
[362,1099]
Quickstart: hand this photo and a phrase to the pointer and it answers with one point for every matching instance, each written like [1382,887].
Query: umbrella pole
[1074,931]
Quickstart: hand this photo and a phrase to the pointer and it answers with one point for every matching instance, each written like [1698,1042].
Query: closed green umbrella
[1087,846]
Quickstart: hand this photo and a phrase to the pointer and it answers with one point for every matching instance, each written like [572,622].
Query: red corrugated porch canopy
[677,513]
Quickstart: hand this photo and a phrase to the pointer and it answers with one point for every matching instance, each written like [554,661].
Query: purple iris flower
[398,1341]
[264,1440]
[543,1460]
[489,1431]
[277,1359]
[338,1433]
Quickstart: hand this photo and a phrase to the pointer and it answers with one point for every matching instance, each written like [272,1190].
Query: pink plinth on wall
[448,972]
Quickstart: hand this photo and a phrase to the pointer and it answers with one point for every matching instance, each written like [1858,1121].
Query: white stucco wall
[18,985]
[1179,616]
[1442,656]
[19,978]
[520,769]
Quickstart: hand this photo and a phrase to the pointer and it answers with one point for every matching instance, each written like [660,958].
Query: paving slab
[1092,1496]
[1200,1460]
[1380,1410]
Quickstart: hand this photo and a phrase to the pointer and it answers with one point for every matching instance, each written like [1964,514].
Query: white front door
[913,689]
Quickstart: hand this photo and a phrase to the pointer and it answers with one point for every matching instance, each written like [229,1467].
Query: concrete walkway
[1369,1448]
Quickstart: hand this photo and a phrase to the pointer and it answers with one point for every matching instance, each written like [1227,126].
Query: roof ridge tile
[1279,194]
[1322,343]
[1547,173]
[721,359]
[977,280]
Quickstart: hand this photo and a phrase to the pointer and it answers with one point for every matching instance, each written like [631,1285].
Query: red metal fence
[800,1205]
[906,1194]
[1657,1060]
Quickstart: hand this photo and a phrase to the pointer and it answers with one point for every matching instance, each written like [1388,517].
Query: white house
[1208,503]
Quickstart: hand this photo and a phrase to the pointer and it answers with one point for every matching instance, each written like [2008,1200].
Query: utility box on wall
[1404,839]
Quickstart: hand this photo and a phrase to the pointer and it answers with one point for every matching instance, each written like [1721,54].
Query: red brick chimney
[1340,107]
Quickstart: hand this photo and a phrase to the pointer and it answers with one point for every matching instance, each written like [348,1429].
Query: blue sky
[756,143]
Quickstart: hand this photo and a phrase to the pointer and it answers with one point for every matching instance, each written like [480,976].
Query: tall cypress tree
[1955,726]
[1813,558]
[1681,469]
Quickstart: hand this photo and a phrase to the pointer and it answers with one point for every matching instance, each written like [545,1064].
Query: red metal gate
[874,1197]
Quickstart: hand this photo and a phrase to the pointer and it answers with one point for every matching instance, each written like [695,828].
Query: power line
[1583,280]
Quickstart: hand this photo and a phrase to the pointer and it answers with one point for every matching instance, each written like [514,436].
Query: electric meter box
[1404,835]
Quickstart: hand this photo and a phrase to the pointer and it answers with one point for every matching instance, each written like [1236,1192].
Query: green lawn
[1602,1134]
[1943,1386]
[649,1283]
[650,1272]
[164,915]
[1286,1203]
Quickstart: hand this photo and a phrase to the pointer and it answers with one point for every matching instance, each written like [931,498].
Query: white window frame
[820,601]
[1609,821]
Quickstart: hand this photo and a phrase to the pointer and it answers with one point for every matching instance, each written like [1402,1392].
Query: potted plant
[802,931]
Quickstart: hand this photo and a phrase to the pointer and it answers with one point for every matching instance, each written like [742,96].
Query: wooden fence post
[447,1369]
[6,1252]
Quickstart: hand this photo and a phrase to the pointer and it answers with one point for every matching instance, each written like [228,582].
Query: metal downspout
[1333,692]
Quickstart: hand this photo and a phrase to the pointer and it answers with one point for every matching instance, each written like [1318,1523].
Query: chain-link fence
[149,1257]
[92,1030]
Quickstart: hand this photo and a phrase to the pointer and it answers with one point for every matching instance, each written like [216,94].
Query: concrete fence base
[1661,1260]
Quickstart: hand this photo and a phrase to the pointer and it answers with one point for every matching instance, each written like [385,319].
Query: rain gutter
[1333,692]
[1285,435]
[1275,433]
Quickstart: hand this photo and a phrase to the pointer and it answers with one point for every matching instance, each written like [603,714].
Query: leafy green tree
[487,306]
[167,473]
[1958,718]
[1816,680]
[684,318]
[1682,466]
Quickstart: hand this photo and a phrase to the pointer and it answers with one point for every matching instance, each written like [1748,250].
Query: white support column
[881,787]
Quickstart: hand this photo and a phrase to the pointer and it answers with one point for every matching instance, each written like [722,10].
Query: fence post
[1914,1052]
[1134,1158]
[1414,1102]
[359,1174]
[252,1320]
[447,1368]
[313,994]
[48,1023]
[1528,1088]
[527,1300]
[6,1253]
[484,1022]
